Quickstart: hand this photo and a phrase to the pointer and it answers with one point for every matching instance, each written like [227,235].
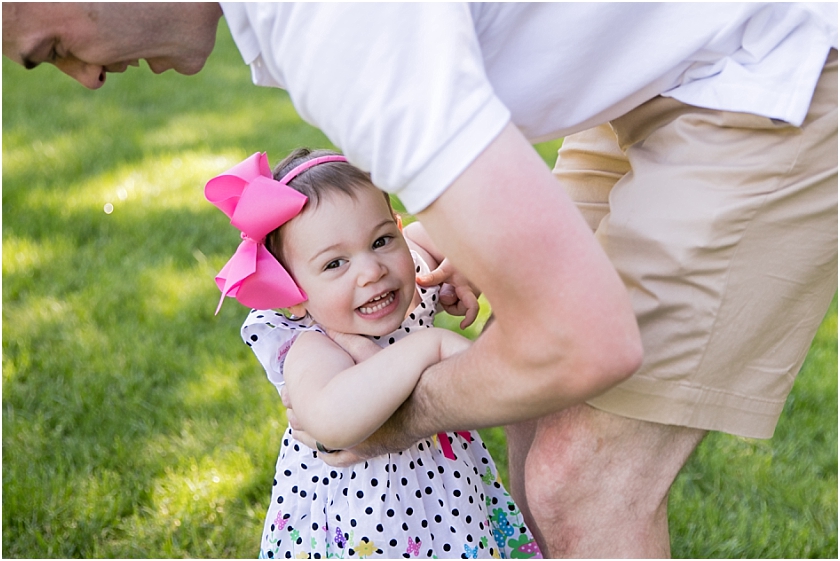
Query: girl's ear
[298,310]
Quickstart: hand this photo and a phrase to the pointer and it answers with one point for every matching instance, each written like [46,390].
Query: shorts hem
[694,407]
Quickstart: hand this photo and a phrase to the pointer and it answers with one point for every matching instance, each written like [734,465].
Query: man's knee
[559,463]
[597,484]
[585,459]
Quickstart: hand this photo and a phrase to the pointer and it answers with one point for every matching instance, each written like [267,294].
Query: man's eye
[381,242]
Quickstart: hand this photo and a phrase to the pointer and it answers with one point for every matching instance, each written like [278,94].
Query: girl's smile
[379,306]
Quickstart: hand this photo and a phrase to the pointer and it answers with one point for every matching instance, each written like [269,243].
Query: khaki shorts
[723,227]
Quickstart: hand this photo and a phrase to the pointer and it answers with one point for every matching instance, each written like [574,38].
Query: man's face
[87,40]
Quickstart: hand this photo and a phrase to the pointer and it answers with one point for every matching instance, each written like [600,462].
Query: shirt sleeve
[401,88]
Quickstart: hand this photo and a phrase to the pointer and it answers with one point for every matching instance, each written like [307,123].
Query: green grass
[136,424]
[740,497]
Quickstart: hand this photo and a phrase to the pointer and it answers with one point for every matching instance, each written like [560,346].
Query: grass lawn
[136,424]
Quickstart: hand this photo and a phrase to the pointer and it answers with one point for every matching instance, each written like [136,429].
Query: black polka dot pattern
[323,511]
[413,504]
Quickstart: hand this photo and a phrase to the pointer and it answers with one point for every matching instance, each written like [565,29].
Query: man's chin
[187,69]
[191,67]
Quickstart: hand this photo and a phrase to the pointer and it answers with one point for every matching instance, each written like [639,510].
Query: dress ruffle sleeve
[270,335]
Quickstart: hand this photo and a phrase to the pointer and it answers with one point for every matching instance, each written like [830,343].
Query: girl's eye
[334,264]
[381,242]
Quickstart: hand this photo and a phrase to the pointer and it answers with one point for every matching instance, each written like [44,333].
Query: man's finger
[340,459]
[301,436]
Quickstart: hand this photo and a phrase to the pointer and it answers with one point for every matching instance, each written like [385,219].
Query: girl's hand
[457,295]
[360,348]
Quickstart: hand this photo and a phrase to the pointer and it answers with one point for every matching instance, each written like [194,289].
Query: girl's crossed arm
[340,403]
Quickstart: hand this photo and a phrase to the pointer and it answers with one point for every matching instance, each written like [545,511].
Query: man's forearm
[476,389]
[564,329]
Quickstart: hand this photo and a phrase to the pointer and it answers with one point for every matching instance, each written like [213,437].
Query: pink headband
[256,205]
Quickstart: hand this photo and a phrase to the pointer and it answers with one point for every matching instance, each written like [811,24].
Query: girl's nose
[371,270]
[89,75]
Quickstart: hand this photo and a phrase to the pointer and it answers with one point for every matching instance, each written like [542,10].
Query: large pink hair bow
[257,204]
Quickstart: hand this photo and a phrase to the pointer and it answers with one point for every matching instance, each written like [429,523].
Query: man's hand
[457,295]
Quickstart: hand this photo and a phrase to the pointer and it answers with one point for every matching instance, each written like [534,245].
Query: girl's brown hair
[317,182]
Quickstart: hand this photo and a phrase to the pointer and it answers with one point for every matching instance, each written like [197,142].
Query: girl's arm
[418,240]
[458,296]
[340,403]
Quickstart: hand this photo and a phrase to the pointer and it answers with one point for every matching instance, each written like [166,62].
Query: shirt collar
[240,28]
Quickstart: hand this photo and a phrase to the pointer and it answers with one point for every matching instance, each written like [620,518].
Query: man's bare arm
[564,330]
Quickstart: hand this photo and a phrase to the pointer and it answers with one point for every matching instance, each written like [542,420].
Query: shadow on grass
[118,382]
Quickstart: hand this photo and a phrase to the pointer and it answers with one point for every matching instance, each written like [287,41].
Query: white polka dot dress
[418,503]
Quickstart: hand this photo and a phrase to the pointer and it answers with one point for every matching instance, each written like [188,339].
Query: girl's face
[351,260]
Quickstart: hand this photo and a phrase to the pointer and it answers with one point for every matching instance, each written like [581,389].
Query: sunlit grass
[137,424]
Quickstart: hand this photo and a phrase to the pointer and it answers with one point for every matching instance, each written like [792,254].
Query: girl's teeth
[379,303]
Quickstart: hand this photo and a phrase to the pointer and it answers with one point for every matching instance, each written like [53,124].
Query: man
[721,146]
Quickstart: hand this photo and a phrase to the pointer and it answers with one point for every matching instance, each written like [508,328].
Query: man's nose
[89,75]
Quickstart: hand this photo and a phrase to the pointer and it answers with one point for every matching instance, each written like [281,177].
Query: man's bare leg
[519,439]
[597,484]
